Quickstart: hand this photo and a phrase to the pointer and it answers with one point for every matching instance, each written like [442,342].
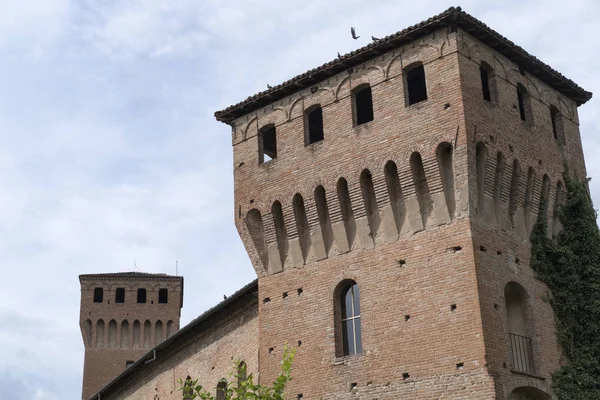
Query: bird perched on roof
[269,86]
[353,32]
[224,297]
[339,55]
[375,38]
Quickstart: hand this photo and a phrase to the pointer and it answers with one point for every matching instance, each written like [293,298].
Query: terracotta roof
[452,16]
[176,340]
[132,274]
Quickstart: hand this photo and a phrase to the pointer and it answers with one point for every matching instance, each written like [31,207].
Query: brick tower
[124,315]
[386,200]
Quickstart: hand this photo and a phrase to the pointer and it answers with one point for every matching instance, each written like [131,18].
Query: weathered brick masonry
[441,252]
[426,208]
[115,333]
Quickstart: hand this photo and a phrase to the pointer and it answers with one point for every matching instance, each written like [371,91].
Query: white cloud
[143,28]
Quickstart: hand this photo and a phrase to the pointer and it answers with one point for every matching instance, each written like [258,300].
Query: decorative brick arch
[528,393]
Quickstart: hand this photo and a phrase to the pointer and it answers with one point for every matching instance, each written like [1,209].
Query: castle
[386,199]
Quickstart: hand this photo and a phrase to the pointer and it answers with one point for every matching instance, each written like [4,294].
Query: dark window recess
[98,295]
[221,390]
[141,296]
[120,295]
[554,130]
[128,363]
[314,121]
[416,86]
[521,93]
[363,104]
[351,332]
[268,143]
[556,124]
[163,296]
[485,84]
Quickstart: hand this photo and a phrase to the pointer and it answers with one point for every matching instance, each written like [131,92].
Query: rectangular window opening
[120,295]
[363,104]
[416,85]
[485,84]
[314,122]
[98,295]
[268,144]
[521,101]
[163,296]
[141,295]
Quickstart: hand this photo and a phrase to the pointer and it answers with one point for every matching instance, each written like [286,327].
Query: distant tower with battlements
[122,316]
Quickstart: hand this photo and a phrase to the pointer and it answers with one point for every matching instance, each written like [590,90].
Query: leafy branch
[241,385]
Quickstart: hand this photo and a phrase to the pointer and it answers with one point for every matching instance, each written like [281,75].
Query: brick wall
[114,333]
[456,240]
[504,233]
[207,353]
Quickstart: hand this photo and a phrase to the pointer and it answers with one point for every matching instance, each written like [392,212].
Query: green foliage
[570,267]
[243,386]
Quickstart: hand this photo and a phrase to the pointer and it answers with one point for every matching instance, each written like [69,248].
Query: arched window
[349,331]
[520,330]
[188,389]
[528,393]
[242,373]
[313,125]
[487,82]
[524,101]
[416,86]
[267,144]
[362,104]
[557,125]
[221,389]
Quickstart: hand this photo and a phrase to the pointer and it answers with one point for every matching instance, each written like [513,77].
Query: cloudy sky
[109,152]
